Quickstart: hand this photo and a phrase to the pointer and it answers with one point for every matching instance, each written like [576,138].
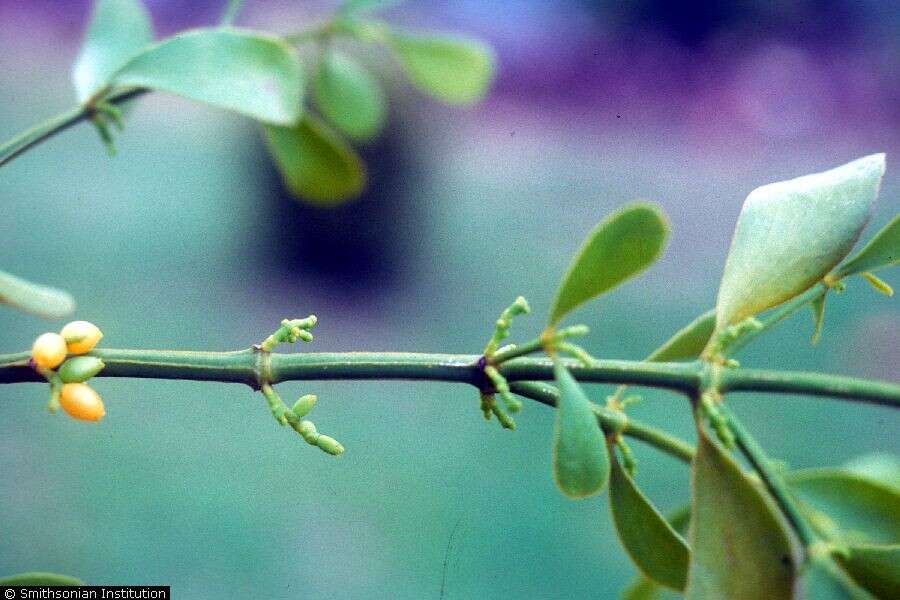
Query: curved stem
[771,479]
[778,315]
[547,394]
[42,132]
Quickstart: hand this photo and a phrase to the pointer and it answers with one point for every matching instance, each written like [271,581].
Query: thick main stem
[242,367]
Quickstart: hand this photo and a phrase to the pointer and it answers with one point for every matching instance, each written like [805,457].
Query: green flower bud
[330,445]
[80,368]
[304,405]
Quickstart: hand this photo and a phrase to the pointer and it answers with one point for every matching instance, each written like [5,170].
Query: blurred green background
[186,240]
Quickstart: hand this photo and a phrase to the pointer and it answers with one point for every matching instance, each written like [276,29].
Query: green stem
[611,421]
[42,132]
[771,478]
[778,315]
[242,367]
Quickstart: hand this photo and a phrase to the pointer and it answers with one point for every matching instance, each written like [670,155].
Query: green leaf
[790,234]
[619,248]
[687,343]
[876,568]
[822,579]
[883,250]
[348,96]
[580,458]
[739,547]
[315,162]
[818,312]
[864,510]
[255,74]
[654,546]
[644,588]
[42,301]
[882,467]
[453,70]
[39,578]
[119,29]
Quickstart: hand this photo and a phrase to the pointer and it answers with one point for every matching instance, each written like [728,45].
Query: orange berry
[81,336]
[81,402]
[49,350]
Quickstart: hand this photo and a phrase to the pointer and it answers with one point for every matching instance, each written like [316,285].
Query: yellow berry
[81,402]
[81,336]
[49,350]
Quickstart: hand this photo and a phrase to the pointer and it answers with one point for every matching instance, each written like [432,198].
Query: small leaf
[875,568]
[580,459]
[879,284]
[822,579]
[883,250]
[818,312]
[315,162]
[881,467]
[453,70]
[790,234]
[42,301]
[255,74]
[39,578]
[688,342]
[619,248]
[864,510]
[739,547]
[652,543]
[119,29]
[348,96]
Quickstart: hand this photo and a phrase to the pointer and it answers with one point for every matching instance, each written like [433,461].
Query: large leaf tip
[790,234]
[620,247]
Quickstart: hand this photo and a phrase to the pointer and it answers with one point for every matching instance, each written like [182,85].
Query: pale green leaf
[118,30]
[818,312]
[739,547]
[882,467]
[255,74]
[875,568]
[453,70]
[883,250]
[688,342]
[39,578]
[863,510]
[619,248]
[580,458]
[790,234]
[651,542]
[823,579]
[39,300]
[348,96]
[315,162]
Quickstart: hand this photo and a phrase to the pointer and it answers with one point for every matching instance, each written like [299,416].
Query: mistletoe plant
[746,534]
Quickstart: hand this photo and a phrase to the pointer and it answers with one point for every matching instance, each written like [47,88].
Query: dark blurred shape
[358,247]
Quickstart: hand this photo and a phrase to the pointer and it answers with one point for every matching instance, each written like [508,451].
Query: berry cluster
[67,376]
